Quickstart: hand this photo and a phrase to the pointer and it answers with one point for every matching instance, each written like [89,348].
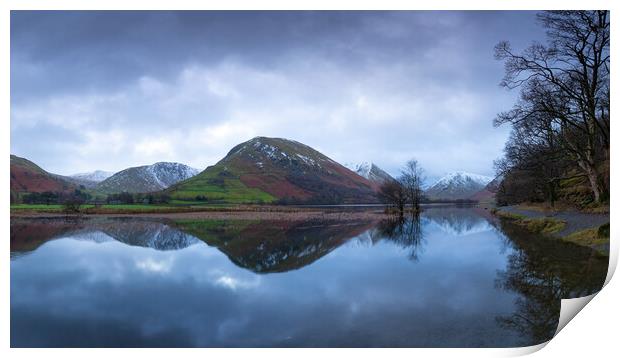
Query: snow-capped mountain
[457,185]
[266,169]
[96,176]
[369,171]
[147,178]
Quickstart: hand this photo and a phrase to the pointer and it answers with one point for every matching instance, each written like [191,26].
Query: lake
[452,277]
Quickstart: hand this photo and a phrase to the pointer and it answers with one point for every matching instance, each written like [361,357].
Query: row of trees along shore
[558,148]
[79,197]
[405,192]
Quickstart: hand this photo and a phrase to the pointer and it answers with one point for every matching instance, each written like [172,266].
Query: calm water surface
[451,278]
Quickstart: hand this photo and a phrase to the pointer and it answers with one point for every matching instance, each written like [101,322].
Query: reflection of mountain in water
[28,234]
[88,235]
[542,271]
[267,246]
[538,272]
[457,221]
[274,246]
[155,235]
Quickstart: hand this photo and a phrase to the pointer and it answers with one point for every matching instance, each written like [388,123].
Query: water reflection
[451,277]
[543,272]
[459,221]
[274,246]
[28,234]
[405,231]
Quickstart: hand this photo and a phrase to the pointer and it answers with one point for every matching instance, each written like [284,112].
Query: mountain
[276,170]
[371,172]
[457,185]
[27,177]
[488,192]
[96,176]
[494,184]
[80,183]
[147,178]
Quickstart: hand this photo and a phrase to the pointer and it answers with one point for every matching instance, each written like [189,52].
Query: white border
[594,330]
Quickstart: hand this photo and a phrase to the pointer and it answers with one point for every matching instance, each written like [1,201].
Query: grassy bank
[536,225]
[595,237]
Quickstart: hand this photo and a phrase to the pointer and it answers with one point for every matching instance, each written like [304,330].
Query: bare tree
[412,176]
[565,88]
[393,193]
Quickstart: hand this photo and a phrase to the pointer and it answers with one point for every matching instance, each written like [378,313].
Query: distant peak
[163,164]
[96,176]
[463,175]
[369,171]
[269,139]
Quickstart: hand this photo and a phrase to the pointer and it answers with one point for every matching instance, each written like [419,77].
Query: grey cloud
[186,86]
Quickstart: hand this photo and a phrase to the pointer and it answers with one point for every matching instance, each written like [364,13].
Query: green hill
[275,170]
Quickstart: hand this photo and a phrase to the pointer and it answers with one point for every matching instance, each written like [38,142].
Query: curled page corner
[522,351]
[569,309]
[613,260]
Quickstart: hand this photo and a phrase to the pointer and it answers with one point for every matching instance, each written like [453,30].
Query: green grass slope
[275,169]
[218,184]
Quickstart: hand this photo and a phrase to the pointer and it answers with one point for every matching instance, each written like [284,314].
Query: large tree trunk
[593,178]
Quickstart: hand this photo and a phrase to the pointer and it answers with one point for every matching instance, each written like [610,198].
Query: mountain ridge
[457,185]
[280,170]
[94,176]
[370,171]
[28,177]
[147,178]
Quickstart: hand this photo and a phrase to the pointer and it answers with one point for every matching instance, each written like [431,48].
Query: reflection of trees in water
[542,271]
[405,231]
[538,307]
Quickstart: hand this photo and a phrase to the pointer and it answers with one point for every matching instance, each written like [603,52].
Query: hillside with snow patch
[457,185]
[370,171]
[147,178]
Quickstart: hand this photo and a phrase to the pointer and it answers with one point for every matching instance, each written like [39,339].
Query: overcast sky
[110,90]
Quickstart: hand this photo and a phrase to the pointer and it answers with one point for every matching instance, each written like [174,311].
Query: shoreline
[581,228]
[276,215]
[243,210]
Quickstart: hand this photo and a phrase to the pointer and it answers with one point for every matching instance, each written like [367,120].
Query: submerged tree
[406,191]
[411,178]
[564,91]
[393,193]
